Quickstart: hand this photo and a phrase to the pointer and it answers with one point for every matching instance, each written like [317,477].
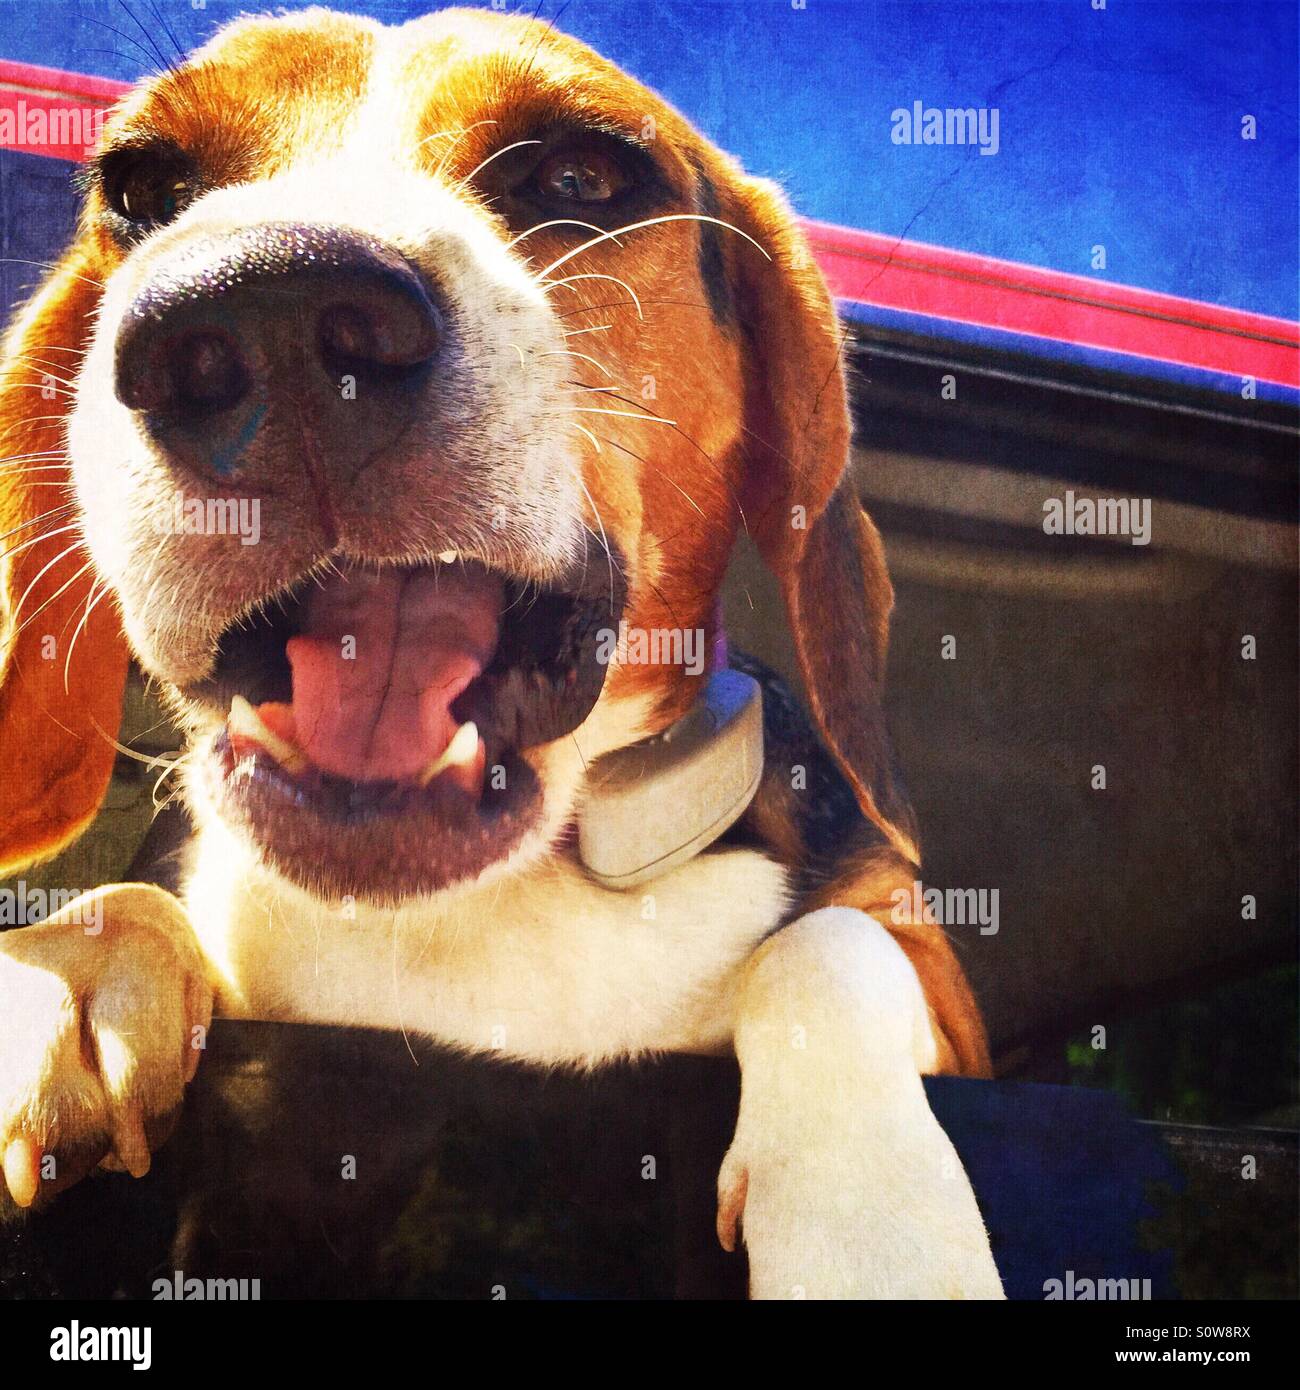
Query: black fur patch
[713,266]
[829,820]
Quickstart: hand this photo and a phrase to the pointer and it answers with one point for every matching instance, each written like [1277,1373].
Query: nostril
[188,376]
[349,338]
[208,373]
[385,333]
[347,333]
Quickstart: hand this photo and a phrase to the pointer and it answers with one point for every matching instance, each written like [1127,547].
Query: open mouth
[376,717]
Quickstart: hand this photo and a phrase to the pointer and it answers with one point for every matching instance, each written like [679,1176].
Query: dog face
[493,351]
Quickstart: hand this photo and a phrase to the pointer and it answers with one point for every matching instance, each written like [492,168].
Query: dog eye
[581,176]
[147,187]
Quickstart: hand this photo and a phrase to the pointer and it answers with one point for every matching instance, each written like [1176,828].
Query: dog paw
[878,1207]
[104,1011]
[840,1177]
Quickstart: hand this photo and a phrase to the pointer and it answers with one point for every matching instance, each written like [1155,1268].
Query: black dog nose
[276,309]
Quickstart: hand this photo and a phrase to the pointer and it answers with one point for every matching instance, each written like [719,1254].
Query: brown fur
[55,758]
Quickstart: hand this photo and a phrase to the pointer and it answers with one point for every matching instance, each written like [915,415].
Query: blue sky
[1120,127]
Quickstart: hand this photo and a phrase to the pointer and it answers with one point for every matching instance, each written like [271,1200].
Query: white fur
[844,1182]
[546,966]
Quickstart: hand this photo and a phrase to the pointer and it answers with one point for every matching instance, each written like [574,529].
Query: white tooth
[460,752]
[448,557]
[246,721]
[463,746]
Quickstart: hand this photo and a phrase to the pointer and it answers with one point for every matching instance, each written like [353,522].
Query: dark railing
[329,1163]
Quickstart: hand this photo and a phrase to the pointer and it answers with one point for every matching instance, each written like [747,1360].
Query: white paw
[875,1205]
[104,1011]
[840,1177]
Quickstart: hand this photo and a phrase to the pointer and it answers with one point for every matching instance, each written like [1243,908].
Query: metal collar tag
[660,802]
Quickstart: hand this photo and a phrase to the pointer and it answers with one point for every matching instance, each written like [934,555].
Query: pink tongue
[379,663]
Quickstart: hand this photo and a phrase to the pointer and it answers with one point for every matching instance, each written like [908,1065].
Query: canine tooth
[245,720]
[448,557]
[460,752]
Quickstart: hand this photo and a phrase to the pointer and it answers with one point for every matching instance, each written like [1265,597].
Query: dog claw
[22,1170]
[731,1207]
[193,1056]
[130,1146]
[198,1016]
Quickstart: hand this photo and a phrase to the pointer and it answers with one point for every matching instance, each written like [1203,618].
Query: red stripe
[868,268]
[58,128]
[33,78]
[48,112]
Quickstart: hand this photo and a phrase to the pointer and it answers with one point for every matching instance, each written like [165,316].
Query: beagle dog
[503,356]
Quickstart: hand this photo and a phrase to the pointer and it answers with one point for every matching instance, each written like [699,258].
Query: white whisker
[639,226]
[569,280]
[60,590]
[130,752]
[35,540]
[50,265]
[482,164]
[92,602]
[627,414]
[604,540]
[442,163]
[557,222]
[47,367]
[671,481]
[37,386]
[588,433]
[566,352]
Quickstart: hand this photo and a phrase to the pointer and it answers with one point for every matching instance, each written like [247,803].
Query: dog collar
[658,803]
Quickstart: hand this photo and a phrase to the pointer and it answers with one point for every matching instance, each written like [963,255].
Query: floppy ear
[802,509]
[55,699]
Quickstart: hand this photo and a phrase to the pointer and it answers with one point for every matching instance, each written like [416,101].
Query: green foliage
[1224,1057]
